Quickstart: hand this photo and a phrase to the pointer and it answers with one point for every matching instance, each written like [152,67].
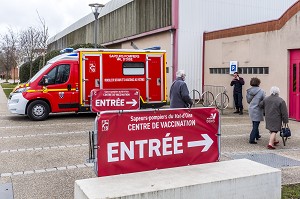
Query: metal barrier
[206,99]
[215,90]
[221,99]
[212,95]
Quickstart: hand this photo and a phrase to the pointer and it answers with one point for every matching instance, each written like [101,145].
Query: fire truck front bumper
[17,103]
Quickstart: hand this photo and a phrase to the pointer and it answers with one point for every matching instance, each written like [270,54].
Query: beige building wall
[262,49]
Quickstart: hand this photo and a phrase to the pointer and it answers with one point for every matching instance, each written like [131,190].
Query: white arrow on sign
[133,102]
[207,142]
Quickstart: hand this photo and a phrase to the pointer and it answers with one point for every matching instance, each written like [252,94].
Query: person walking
[179,93]
[276,114]
[254,96]
[238,83]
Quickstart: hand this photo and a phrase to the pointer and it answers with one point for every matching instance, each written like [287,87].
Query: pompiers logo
[211,118]
[61,95]
[92,68]
[44,89]
[105,125]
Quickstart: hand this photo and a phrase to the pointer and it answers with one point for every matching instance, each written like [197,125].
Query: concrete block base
[228,179]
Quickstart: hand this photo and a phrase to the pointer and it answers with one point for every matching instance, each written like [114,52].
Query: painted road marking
[43,148]
[44,134]
[42,125]
[69,167]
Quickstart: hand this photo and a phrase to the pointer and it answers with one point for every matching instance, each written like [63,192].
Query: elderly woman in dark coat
[254,96]
[276,114]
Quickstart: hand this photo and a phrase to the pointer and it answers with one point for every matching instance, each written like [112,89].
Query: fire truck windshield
[39,73]
[66,56]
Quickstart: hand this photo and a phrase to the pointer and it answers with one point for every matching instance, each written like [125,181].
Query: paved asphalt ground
[43,159]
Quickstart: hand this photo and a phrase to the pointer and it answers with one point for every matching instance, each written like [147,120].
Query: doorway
[294,88]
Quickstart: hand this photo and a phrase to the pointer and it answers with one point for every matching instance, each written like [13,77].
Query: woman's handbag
[285,132]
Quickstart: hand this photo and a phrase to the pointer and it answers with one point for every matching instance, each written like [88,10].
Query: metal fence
[211,96]
[215,90]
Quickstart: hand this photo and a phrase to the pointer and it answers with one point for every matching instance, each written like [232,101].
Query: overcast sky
[58,14]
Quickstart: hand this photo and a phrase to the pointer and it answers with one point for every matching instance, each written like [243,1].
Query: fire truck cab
[64,84]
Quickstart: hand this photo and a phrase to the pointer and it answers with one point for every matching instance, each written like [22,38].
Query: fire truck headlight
[21,90]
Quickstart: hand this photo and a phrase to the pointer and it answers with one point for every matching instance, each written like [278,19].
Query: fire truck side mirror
[45,80]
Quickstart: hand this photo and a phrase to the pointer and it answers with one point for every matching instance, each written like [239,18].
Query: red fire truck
[65,83]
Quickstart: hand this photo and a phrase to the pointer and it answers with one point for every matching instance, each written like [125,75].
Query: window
[266,70]
[255,70]
[249,71]
[133,68]
[294,77]
[222,70]
[59,74]
[241,70]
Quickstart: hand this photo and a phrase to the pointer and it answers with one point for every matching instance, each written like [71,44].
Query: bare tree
[44,37]
[30,45]
[33,42]
[8,55]
[23,47]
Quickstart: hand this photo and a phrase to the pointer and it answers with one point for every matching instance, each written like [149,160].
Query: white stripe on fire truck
[78,166]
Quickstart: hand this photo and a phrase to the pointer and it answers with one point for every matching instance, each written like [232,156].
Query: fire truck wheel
[38,110]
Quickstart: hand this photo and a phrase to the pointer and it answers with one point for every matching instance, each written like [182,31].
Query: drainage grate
[270,159]
[6,191]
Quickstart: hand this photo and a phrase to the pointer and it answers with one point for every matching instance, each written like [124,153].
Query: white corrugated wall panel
[198,16]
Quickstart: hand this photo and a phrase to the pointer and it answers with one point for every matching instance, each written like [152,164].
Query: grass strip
[7,88]
[291,191]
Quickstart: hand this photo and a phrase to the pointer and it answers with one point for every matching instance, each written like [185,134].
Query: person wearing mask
[179,93]
[276,114]
[254,96]
[238,83]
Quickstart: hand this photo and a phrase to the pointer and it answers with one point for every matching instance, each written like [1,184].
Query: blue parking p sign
[233,67]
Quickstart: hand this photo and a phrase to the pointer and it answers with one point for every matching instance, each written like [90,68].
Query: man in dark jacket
[238,83]
[179,93]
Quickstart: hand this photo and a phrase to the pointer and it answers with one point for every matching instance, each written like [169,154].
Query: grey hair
[274,90]
[180,73]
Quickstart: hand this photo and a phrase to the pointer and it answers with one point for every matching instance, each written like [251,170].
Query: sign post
[134,141]
[233,67]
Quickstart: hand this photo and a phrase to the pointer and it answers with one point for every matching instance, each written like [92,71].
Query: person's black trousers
[238,100]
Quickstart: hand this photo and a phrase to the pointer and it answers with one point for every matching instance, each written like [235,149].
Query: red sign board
[115,99]
[134,141]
